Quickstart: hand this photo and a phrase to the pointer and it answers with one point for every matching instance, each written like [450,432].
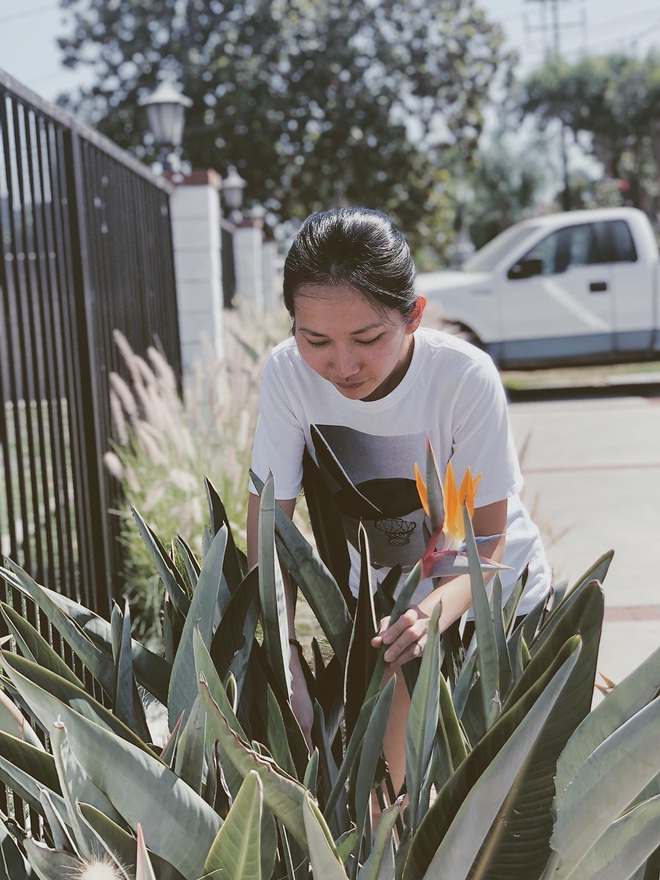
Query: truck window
[618,243]
[567,247]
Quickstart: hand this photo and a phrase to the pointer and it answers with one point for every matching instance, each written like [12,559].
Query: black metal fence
[86,248]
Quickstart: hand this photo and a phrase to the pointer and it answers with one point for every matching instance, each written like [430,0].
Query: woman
[361,385]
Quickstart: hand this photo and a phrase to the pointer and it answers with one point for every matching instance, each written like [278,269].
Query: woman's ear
[415,318]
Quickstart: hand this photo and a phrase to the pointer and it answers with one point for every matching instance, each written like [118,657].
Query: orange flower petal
[421,490]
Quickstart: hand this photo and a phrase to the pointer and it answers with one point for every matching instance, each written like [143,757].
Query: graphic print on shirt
[372,479]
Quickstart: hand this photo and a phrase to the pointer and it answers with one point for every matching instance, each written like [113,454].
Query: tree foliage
[614,99]
[316,103]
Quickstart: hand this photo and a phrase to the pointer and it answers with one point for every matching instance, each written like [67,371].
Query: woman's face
[363,351]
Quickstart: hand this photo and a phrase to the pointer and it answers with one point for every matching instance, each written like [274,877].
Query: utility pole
[555,54]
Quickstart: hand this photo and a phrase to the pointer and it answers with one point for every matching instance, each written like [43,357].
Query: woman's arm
[407,636]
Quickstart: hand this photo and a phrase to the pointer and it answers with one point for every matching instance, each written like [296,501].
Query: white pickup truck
[577,287]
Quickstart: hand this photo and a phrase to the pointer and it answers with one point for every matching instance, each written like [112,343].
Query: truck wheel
[460,330]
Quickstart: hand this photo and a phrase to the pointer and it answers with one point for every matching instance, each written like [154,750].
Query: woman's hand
[405,638]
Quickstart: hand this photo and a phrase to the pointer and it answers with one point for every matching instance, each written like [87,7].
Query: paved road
[592,482]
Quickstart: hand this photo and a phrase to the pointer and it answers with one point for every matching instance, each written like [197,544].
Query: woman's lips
[349,386]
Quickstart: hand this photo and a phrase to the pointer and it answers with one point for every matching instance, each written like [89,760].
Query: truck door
[557,300]
[632,283]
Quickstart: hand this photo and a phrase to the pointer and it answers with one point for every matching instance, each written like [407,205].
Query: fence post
[197,239]
[248,261]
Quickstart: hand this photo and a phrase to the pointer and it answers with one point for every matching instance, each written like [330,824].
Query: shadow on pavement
[583,392]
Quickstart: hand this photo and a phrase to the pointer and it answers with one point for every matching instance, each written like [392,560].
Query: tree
[316,103]
[615,101]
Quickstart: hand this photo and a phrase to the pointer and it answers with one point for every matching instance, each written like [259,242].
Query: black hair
[353,247]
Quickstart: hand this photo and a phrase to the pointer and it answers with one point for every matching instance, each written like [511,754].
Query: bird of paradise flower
[445,554]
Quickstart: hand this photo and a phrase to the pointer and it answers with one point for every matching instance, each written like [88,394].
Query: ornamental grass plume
[164,446]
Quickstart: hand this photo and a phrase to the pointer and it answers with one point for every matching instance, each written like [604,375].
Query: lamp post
[166,108]
[232,191]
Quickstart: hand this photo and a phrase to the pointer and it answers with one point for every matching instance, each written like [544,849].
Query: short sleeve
[279,439]
[481,438]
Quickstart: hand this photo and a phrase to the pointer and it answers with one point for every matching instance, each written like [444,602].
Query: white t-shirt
[452,392]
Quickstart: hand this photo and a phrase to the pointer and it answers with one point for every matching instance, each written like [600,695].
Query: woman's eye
[315,344]
[369,341]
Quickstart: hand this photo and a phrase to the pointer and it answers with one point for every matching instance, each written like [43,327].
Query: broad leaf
[604,786]
[450,798]
[96,661]
[423,720]
[323,856]
[271,592]
[625,845]
[461,845]
[201,614]
[283,795]
[236,850]
[620,704]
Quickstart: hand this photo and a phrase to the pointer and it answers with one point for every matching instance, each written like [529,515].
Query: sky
[28,31]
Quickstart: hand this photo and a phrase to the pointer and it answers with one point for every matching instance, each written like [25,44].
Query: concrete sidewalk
[592,483]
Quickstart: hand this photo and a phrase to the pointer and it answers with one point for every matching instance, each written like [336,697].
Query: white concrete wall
[195,211]
[248,266]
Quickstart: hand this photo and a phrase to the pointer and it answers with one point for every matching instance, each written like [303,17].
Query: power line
[27,13]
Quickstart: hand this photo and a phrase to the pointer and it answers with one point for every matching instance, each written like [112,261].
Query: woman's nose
[346,362]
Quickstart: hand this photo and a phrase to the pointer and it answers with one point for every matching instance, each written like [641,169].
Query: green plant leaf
[56,813]
[271,592]
[450,745]
[127,705]
[605,785]
[144,790]
[190,751]
[626,845]
[361,655]
[233,565]
[35,647]
[520,847]
[26,769]
[369,758]
[44,692]
[452,796]
[423,720]
[151,670]
[315,581]
[461,845]
[236,851]
[192,567]
[283,795]
[487,654]
[323,855]
[504,658]
[170,576]
[596,572]
[52,864]
[434,490]
[620,704]
[96,661]
[12,863]
[13,721]
[201,614]
[120,845]
[204,667]
[380,864]
[234,637]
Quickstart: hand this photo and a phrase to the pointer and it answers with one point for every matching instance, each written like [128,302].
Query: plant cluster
[509,773]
